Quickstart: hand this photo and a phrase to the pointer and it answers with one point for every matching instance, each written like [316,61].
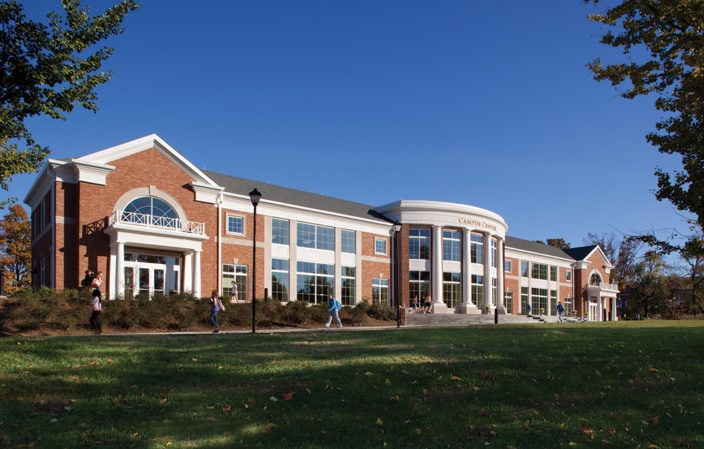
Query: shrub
[69,310]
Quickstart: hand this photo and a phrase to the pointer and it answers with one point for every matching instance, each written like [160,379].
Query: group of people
[216,305]
[416,307]
[94,280]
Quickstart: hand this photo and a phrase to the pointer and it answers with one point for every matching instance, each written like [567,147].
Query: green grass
[619,385]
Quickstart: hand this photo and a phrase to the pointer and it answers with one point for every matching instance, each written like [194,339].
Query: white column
[487,271]
[500,276]
[436,277]
[120,268]
[468,307]
[112,275]
[196,275]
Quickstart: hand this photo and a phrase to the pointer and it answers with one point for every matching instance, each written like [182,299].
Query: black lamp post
[255,196]
[395,274]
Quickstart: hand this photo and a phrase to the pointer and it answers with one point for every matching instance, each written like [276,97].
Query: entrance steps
[456,319]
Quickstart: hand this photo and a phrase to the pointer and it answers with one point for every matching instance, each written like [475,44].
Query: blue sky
[481,103]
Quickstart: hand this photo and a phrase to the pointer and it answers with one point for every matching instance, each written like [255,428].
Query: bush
[69,311]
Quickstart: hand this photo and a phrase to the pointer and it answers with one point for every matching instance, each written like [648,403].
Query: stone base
[469,309]
[440,308]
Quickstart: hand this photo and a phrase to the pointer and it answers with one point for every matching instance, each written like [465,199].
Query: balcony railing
[151,221]
[604,287]
[609,287]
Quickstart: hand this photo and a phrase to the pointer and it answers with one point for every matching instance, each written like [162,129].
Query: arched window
[595,279]
[150,210]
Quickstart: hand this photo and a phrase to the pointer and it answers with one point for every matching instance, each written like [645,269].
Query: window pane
[326,238]
[306,235]
[349,241]
[279,231]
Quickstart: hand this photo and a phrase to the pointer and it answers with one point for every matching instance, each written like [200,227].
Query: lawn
[577,385]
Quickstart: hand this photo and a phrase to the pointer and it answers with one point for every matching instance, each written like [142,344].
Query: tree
[47,69]
[558,243]
[663,42]
[648,295]
[621,253]
[15,248]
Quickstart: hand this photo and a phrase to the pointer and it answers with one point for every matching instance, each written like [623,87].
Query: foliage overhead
[45,70]
[663,42]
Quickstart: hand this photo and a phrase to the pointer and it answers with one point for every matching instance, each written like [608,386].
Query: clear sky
[482,103]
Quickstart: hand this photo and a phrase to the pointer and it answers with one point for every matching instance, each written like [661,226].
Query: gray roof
[242,186]
[536,247]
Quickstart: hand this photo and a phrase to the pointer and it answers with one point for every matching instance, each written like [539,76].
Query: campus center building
[154,224]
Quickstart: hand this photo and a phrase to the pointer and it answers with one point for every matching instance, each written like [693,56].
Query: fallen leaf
[287,396]
[379,422]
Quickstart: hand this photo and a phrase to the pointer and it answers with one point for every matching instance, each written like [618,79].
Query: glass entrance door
[143,280]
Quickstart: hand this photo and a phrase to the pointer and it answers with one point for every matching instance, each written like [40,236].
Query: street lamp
[397,296]
[255,196]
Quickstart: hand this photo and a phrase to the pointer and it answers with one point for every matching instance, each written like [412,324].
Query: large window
[348,283]
[419,284]
[508,301]
[419,244]
[478,290]
[279,231]
[539,271]
[349,241]
[477,248]
[525,268]
[494,291]
[315,281]
[524,300]
[279,279]
[451,289]
[595,279]
[380,291]
[149,210]
[238,273]
[313,236]
[494,252]
[539,298]
[553,273]
[451,247]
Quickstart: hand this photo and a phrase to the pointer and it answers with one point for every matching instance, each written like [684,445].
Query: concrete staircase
[431,319]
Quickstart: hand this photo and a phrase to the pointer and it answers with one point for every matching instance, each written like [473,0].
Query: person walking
[334,307]
[97,281]
[215,307]
[96,307]
[528,309]
[560,310]
[233,292]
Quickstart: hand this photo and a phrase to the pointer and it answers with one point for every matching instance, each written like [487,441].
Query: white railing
[609,287]
[165,223]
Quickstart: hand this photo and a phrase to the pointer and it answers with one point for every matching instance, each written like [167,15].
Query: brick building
[153,223]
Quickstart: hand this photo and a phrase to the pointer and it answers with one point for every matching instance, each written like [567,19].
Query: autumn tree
[46,69]
[663,45]
[558,243]
[621,252]
[15,249]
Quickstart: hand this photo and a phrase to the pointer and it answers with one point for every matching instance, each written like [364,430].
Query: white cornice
[443,213]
